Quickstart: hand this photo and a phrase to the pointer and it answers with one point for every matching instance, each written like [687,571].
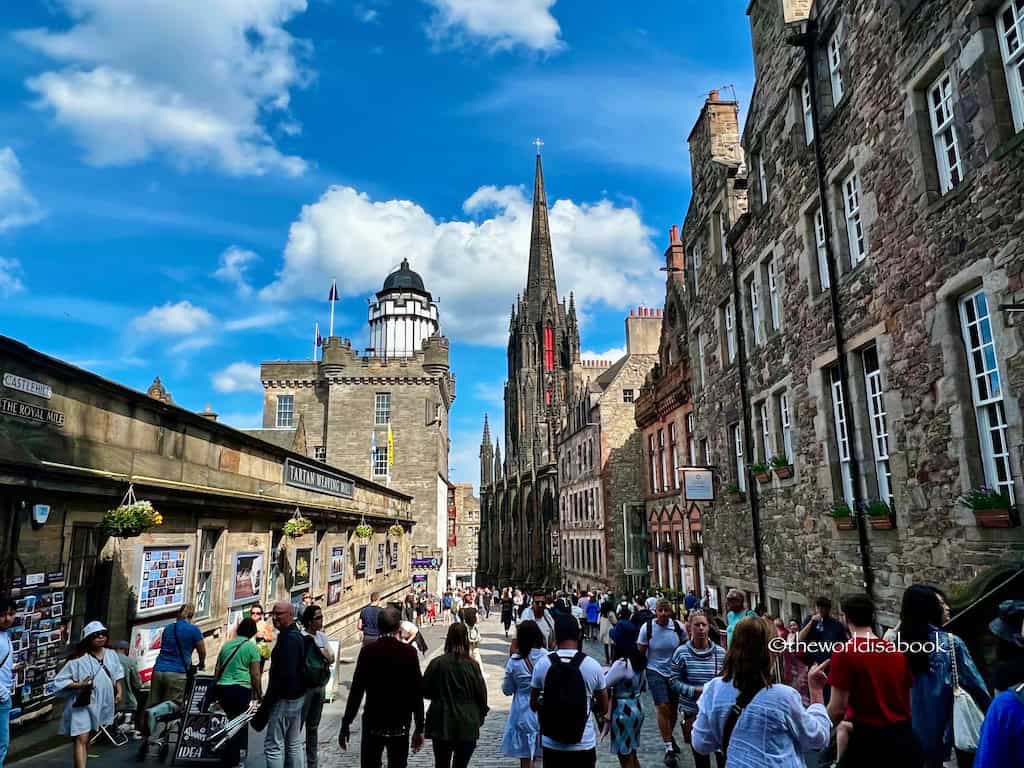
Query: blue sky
[178,189]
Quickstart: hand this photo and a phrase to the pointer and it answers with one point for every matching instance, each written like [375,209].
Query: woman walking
[470,617]
[458,701]
[506,609]
[91,685]
[694,665]
[626,681]
[313,706]
[607,621]
[238,680]
[522,730]
[923,612]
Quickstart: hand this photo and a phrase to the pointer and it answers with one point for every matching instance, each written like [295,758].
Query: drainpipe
[808,40]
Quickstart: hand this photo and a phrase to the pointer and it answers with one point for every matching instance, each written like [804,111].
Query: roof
[282,438]
[404,279]
[608,376]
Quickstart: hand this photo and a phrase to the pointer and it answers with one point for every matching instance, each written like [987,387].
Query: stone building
[600,462]
[383,413]
[463,535]
[848,260]
[72,446]
[519,495]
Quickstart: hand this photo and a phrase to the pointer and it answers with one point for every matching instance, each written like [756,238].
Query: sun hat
[92,628]
[1008,625]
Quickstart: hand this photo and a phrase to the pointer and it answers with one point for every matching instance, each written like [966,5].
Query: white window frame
[691,443]
[662,457]
[730,331]
[722,236]
[774,308]
[382,408]
[706,451]
[940,98]
[673,443]
[858,241]
[805,103]
[786,426]
[879,426]
[653,459]
[285,411]
[740,467]
[819,248]
[987,390]
[320,453]
[766,432]
[843,447]
[1013,60]
[379,462]
[696,268]
[762,179]
[627,395]
[755,312]
[700,358]
[835,63]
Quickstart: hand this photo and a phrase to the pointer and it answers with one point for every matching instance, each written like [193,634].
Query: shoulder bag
[967,718]
[734,715]
[211,691]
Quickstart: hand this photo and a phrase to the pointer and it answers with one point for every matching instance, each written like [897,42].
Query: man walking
[538,612]
[284,746]
[566,687]
[735,613]
[659,638]
[367,623]
[6,674]
[823,630]
[388,672]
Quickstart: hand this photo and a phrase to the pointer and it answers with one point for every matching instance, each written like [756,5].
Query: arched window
[549,348]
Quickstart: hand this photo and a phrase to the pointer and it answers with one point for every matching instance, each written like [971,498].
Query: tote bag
[967,717]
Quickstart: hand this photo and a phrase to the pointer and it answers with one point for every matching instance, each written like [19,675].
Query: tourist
[1001,744]
[691,601]
[388,673]
[239,682]
[823,630]
[131,691]
[658,640]
[751,721]
[522,730]
[455,608]
[593,609]
[90,683]
[606,622]
[517,603]
[487,602]
[454,683]
[7,617]
[283,746]
[469,618]
[538,612]
[931,698]
[871,688]
[565,702]
[651,603]
[409,608]
[265,634]
[625,681]
[313,706]
[692,666]
[735,613]
[367,622]
[507,608]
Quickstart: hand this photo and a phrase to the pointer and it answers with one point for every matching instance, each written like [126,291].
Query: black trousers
[871,747]
[452,754]
[372,748]
[557,758]
[234,699]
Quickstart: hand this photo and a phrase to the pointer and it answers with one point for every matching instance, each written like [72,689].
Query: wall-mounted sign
[40,514]
[27,386]
[794,11]
[419,578]
[430,563]
[699,484]
[309,478]
[31,412]
[162,581]
[247,581]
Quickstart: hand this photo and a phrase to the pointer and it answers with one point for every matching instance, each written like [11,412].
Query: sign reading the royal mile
[27,386]
[31,412]
[299,475]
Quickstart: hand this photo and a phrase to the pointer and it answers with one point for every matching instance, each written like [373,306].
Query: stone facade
[519,496]
[463,535]
[914,252]
[600,462]
[349,404]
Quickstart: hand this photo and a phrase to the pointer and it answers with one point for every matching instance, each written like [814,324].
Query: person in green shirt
[238,681]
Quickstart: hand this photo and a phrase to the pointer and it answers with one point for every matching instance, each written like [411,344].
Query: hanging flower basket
[131,517]
[396,531]
[364,530]
[297,526]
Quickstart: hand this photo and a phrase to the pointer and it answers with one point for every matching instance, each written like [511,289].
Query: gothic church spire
[540,279]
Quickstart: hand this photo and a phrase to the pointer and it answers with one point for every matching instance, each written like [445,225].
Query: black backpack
[564,710]
[315,669]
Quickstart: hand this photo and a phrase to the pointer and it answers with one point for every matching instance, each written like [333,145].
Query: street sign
[699,484]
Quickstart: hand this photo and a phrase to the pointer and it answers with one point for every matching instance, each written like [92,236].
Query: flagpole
[334,298]
[316,338]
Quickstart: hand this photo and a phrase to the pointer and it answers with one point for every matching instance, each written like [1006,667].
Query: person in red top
[871,684]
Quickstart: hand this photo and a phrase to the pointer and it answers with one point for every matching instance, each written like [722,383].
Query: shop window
[208,538]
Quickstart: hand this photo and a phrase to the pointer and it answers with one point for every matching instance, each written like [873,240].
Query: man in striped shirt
[693,665]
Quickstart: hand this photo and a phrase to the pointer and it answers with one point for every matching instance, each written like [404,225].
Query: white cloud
[234,263]
[238,377]
[612,354]
[206,86]
[17,206]
[193,344]
[499,24]
[259,320]
[476,267]
[10,282]
[178,319]
[492,393]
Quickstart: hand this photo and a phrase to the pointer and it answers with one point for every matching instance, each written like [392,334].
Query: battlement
[647,312]
[598,364]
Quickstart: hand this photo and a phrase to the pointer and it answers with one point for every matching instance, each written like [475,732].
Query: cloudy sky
[179,182]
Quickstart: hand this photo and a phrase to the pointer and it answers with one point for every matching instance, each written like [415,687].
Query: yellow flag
[391,447]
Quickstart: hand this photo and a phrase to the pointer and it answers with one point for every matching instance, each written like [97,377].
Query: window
[819,247]
[360,567]
[382,408]
[549,348]
[81,598]
[721,236]
[835,62]
[774,310]
[785,424]
[1010,26]
[947,149]
[662,457]
[879,427]
[696,268]
[627,395]
[673,445]
[766,427]
[755,311]
[854,226]
[842,435]
[700,358]
[691,443]
[762,179]
[730,332]
[285,410]
[380,462]
[740,467]
[653,462]
[805,101]
[320,452]
[987,388]
[204,572]
[705,451]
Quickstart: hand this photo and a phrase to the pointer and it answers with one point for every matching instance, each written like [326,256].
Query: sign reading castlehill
[299,475]
[29,387]
[31,412]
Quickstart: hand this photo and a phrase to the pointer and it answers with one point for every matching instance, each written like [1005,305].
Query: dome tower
[403,315]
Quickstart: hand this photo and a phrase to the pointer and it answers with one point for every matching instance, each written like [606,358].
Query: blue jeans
[285,745]
[5,729]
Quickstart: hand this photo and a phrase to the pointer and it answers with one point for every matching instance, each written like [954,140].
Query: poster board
[162,579]
[38,637]
[246,577]
[336,569]
[303,568]
[193,741]
[334,589]
[145,646]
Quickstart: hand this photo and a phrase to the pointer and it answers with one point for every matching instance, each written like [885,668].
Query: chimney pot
[713,96]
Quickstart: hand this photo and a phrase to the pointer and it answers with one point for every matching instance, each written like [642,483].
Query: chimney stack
[713,96]
[208,413]
[675,258]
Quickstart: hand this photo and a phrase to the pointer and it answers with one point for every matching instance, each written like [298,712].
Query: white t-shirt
[651,604]
[593,679]
[546,622]
[661,647]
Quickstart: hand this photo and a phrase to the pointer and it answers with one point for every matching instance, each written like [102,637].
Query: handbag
[262,716]
[967,717]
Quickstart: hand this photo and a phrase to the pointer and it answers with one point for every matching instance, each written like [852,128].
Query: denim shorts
[661,691]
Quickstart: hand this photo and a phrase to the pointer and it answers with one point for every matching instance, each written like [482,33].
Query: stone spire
[487,432]
[540,279]
[486,456]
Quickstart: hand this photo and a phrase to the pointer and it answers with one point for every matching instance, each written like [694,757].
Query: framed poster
[360,565]
[393,555]
[380,557]
[145,646]
[336,569]
[303,567]
[162,579]
[246,577]
[334,589]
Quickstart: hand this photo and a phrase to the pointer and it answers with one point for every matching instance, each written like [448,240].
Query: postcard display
[38,639]
[162,585]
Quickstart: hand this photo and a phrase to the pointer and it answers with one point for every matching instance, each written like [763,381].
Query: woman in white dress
[94,668]
[522,730]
